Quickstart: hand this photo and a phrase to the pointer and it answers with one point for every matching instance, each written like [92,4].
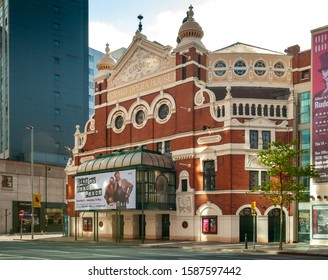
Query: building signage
[149,84]
[110,190]
[320,104]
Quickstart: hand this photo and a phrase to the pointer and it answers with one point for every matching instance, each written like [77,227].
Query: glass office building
[44,77]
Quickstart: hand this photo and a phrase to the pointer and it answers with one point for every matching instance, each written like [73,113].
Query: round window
[163,111]
[279,69]
[220,68]
[119,122]
[260,68]
[140,117]
[240,68]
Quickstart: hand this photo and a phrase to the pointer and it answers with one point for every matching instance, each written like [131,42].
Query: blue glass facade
[44,48]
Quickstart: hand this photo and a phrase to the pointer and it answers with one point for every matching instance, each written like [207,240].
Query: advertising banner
[320,103]
[110,190]
[320,221]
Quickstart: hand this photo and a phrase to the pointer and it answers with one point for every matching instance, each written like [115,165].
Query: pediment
[141,60]
[260,122]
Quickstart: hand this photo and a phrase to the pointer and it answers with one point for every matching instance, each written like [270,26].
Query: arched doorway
[246,225]
[274,226]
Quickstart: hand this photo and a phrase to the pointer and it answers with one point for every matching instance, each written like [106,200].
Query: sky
[273,25]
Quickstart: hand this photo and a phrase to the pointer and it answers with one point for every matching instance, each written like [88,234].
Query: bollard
[246,247]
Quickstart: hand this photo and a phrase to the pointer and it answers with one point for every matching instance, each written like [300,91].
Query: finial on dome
[190,13]
[107,49]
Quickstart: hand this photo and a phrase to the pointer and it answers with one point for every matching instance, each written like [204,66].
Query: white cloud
[101,33]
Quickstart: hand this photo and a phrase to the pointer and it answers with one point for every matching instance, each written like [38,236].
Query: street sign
[21,214]
[37,200]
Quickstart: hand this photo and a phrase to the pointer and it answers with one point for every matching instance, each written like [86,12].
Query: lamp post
[30,127]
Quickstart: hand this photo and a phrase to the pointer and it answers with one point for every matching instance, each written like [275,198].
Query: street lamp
[30,127]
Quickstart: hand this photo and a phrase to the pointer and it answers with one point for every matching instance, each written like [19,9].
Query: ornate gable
[140,68]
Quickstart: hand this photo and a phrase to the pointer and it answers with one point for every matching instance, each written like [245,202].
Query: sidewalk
[294,248]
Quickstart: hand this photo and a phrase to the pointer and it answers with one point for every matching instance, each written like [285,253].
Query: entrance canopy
[127,159]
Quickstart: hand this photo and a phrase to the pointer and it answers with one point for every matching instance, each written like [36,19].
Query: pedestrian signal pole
[253,206]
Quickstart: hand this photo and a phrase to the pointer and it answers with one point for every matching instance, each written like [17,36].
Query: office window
[159,147]
[7,181]
[56,128]
[57,77]
[209,175]
[254,139]
[56,94]
[266,139]
[57,111]
[56,43]
[257,178]
[167,147]
[56,60]
[304,109]
[305,75]
[56,26]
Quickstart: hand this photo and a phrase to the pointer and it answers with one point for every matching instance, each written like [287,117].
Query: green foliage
[284,171]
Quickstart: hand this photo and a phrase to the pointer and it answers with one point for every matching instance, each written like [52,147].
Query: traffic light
[253,205]
[37,200]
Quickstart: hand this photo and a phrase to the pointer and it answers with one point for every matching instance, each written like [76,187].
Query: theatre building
[170,151]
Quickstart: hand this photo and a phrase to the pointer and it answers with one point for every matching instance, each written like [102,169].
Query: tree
[284,185]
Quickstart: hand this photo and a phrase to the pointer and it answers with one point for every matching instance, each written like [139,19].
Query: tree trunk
[281,226]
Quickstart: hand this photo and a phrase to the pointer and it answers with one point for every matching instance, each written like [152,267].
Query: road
[90,251]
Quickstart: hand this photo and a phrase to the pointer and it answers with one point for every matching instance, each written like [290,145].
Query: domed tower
[190,51]
[105,65]
[105,68]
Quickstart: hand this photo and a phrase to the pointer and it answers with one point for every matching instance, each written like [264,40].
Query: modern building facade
[171,149]
[44,77]
[16,189]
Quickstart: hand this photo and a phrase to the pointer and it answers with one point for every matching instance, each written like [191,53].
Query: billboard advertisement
[320,221]
[320,103]
[103,191]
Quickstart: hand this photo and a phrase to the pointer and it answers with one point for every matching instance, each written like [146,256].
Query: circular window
[140,117]
[220,68]
[260,68]
[163,111]
[240,68]
[119,121]
[101,224]
[279,69]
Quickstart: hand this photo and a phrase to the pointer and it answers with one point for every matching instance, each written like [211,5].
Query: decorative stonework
[185,205]
[209,139]
[142,64]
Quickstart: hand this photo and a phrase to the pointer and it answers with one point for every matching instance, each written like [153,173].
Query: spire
[140,17]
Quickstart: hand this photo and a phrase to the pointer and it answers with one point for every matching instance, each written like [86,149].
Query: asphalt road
[70,251]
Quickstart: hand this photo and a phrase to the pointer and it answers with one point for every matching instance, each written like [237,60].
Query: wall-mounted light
[188,109]
[186,56]
[206,127]
[319,197]
[325,197]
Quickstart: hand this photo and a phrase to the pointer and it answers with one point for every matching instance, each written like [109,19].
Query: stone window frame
[158,106]
[134,116]
[220,68]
